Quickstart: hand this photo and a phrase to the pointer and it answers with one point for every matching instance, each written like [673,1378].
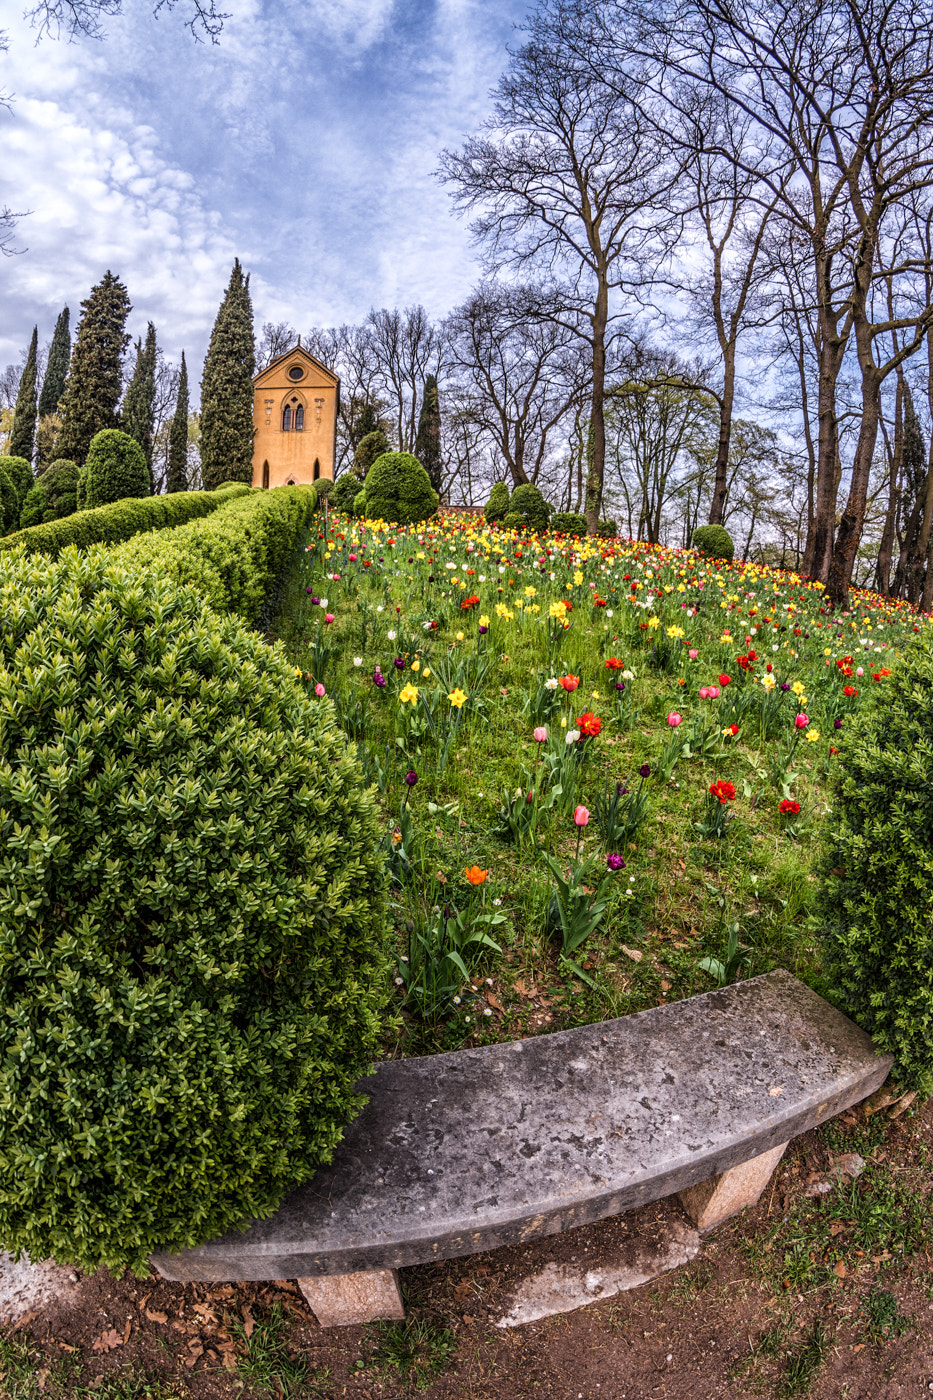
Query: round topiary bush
[116,468]
[34,508]
[399,490]
[607,529]
[497,507]
[345,492]
[876,894]
[372,446]
[19,471]
[512,521]
[60,483]
[528,503]
[715,541]
[569,522]
[192,964]
[359,504]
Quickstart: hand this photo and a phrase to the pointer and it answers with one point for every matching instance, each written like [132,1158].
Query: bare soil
[730,1324]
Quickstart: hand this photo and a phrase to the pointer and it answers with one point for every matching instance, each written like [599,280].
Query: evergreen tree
[177,475]
[56,371]
[227,389]
[95,376]
[23,437]
[428,441]
[139,404]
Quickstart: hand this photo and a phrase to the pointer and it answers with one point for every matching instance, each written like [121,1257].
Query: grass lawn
[446,646]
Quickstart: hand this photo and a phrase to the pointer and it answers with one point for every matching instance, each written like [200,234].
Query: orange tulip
[475,875]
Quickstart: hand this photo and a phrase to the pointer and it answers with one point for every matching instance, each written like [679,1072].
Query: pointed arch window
[287,418]
[265,476]
[299,418]
[317,468]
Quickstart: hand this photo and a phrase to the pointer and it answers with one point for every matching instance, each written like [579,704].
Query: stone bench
[463,1152]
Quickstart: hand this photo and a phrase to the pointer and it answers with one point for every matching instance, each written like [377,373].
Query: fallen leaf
[494,1001]
[127,1330]
[462,1290]
[107,1341]
[839,1269]
[143,1301]
[156,1316]
[860,1347]
[248,1321]
[520,988]
[196,1346]
[65,1347]
[42,1376]
[836,1228]
[203,1310]
[632,953]
[228,1360]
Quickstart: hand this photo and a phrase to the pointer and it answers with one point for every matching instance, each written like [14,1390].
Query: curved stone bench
[463,1152]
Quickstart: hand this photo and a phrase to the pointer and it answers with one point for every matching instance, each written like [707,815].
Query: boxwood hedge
[120,521]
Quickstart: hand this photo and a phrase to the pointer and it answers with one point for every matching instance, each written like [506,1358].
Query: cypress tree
[23,437]
[56,371]
[95,376]
[428,441]
[176,478]
[227,389]
[139,404]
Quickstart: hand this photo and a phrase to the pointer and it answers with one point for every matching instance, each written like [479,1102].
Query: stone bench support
[460,1153]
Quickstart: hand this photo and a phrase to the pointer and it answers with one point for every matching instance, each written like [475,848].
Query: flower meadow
[603,766]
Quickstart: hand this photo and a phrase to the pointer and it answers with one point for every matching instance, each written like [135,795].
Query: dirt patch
[799,1296]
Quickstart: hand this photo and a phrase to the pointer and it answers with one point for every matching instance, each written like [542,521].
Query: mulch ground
[726,1325]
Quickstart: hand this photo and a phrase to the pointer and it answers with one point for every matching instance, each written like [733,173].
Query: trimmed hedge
[359,504]
[19,471]
[715,541]
[369,449]
[116,468]
[569,522]
[398,490]
[192,909]
[876,895]
[607,529]
[345,492]
[120,521]
[497,507]
[531,508]
[233,555]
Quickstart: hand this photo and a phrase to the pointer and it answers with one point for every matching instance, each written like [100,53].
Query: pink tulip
[704,692]
[319,690]
[673,719]
[328,617]
[352,558]
[801,721]
[713,692]
[540,734]
[581,816]
[693,653]
[860,670]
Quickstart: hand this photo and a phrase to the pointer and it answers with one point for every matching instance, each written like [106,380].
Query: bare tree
[276,338]
[349,352]
[573,176]
[407,348]
[73,17]
[518,372]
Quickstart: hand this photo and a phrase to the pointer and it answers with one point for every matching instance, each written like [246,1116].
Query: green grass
[680,894]
[416,1350]
[805,1361]
[266,1365]
[25,1374]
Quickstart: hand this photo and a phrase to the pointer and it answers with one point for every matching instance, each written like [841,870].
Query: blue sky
[303,143]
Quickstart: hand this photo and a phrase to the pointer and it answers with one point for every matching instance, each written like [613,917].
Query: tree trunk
[853,517]
[594,483]
[830,351]
[886,549]
[718,503]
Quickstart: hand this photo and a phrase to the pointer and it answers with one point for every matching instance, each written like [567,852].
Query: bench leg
[342,1300]
[711,1202]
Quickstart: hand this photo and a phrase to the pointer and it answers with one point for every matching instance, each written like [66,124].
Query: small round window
[296,372]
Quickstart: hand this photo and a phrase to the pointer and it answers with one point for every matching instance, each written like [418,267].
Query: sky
[303,143]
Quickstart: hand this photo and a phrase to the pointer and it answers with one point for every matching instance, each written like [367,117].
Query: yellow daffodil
[416,665]
[530,592]
[798,687]
[675,632]
[484,621]
[654,622]
[459,636]
[457,698]
[813,736]
[768,682]
[558,610]
[578,577]
[409,695]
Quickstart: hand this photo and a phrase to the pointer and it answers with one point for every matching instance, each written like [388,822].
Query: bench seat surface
[463,1152]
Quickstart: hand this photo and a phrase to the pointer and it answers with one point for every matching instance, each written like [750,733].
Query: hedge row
[234,555]
[119,521]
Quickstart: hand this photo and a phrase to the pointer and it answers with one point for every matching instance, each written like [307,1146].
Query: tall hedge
[121,521]
[232,556]
[116,468]
[192,914]
[877,874]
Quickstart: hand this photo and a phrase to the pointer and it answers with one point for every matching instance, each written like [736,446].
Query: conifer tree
[23,437]
[428,441]
[95,376]
[139,404]
[56,371]
[176,478]
[227,389]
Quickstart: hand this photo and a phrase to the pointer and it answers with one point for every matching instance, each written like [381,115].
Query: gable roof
[296,352]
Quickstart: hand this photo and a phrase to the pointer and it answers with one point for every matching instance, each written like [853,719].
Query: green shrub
[116,468]
[359,504]
[20,473]
[569,522]
[60,483]
[399,490]
[227,485]
[9,503]
[345,493]
[192,916]
[370,447]
[122,520]
[233,555]
[81,493]
[324,488]
[606,529]
[715,541]
[513,521]
[34,507]
[533,510]
[877,869]
[497,507]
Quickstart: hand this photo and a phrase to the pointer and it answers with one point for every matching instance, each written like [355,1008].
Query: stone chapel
[295,404]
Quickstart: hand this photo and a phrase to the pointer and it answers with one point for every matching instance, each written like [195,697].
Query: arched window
[299,418]
[317,468]
[287,418]
[265,476]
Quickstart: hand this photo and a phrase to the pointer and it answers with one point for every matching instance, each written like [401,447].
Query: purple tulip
[615,862]
[645,770]
[398,663]
[380,679]
[411,777]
